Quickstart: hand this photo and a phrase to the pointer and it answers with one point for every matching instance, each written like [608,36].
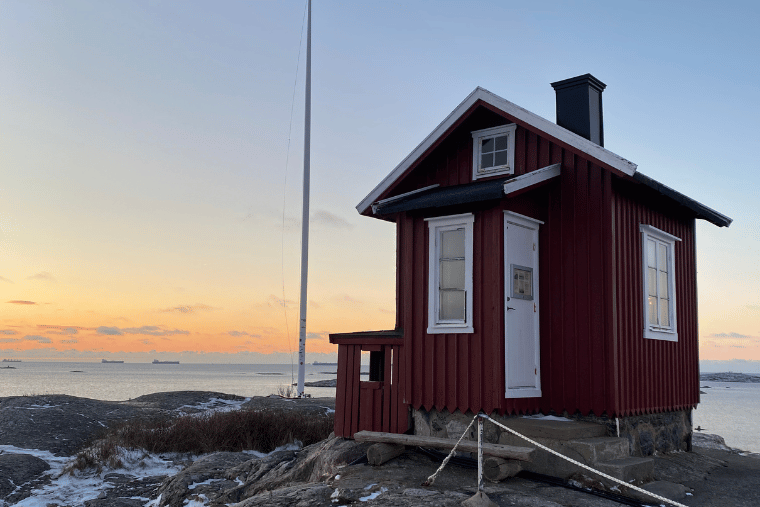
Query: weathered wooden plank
[502,451]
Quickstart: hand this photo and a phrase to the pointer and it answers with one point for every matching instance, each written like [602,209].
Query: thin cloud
[728,335]
[188,309]
[10,340]
[42,275]
[243,333]
[8,331]
[72,340]
[21,302]
[279,302]
[143,330]
[383,310]
[66,330]
[323,217]
[317,336]
[36,338]
[345,298]
[3,279]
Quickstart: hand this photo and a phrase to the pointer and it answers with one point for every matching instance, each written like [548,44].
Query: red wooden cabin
[536,272]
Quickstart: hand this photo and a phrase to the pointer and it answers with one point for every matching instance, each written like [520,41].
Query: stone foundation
[646,434]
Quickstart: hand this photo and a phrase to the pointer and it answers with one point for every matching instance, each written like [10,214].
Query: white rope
[430,480]
[640,490]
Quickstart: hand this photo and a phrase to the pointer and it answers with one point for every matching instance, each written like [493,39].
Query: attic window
[493,151]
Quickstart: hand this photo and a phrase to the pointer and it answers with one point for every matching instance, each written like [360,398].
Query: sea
[728,409]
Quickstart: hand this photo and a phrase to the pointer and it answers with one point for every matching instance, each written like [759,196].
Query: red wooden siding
[655,375]
[466,371]
[369,405]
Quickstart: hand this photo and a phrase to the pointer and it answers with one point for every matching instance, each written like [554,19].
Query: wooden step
[502,451]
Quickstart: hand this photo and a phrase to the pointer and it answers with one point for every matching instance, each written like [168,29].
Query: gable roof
[552,129]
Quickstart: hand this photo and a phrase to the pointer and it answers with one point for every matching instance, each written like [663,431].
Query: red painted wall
[593,355]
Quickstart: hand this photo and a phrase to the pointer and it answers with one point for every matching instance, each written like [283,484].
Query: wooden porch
[376,404]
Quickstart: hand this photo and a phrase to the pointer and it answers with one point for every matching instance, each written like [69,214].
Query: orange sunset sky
[150,197]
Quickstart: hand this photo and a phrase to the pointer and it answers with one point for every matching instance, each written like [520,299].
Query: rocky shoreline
[39,435]
[730,377]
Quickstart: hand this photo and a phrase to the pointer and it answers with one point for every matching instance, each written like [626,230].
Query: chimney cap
[579,80]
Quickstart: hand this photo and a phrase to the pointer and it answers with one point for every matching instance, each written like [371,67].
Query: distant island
[730,377]
[317,363]
[108,361]
[11,360]
[156,361]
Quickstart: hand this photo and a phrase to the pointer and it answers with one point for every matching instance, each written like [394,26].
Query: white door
[521,362]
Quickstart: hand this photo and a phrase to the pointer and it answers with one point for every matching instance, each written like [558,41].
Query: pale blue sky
[143,147]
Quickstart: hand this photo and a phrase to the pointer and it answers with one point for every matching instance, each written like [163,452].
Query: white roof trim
[542,124]
[531,178]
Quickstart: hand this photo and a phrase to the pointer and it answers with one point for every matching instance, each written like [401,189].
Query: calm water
[729,409]
[129,380]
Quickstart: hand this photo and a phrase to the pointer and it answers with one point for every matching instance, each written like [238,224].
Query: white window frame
[478,136]
[435,227]
[655,331]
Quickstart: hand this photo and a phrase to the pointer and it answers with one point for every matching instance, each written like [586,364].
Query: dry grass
[234,431]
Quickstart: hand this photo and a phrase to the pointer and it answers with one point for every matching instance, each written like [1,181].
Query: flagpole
[305,216]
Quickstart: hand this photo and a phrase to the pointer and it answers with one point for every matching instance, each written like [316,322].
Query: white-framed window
[493,151]
[658,263]
[450,274]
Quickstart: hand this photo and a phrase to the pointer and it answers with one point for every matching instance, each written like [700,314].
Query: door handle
[509,308]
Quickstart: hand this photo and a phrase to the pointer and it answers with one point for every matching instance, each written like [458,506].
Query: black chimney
[579,106]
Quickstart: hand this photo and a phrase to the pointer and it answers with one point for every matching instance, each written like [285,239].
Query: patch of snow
[216,405]
[370,486]
[374,495]
[201,501]
[688,494]
[35,406]
[207,481]
[542,417]
[154,503]
[293,446]
[337,477]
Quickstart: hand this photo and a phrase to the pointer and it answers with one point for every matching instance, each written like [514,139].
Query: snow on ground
[76,488]
[216,405]
[547,418]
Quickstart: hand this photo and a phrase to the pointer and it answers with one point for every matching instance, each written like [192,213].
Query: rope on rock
[582,465]
[430,480]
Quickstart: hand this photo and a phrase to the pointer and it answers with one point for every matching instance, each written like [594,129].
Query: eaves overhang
[439,197]
[700,210]
[593,150]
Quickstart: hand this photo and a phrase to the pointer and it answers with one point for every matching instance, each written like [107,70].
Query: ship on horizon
[156,361]
[109,361]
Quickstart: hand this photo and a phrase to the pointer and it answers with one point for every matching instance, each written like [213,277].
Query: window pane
[500,158]
[452,244]
[501,143]
[663,260]
[663,284]
[486,161]
[652,281]
[664,313]
[452,305]
[650,253]
[486,145]
[452,274]
[652,310]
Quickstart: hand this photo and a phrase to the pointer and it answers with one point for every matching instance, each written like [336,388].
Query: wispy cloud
[3,279]
[8,331]
[67,330]
[317,336]
[72,340]
[21,302]
[385,310]
[36,338]
[143,330]
[243,333]
[323,217]
[10,340]
[42,275]
[274,300]
[728,335]
[188,309]
[345,298]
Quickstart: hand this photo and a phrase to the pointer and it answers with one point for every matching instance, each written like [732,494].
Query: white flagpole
[305,217]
